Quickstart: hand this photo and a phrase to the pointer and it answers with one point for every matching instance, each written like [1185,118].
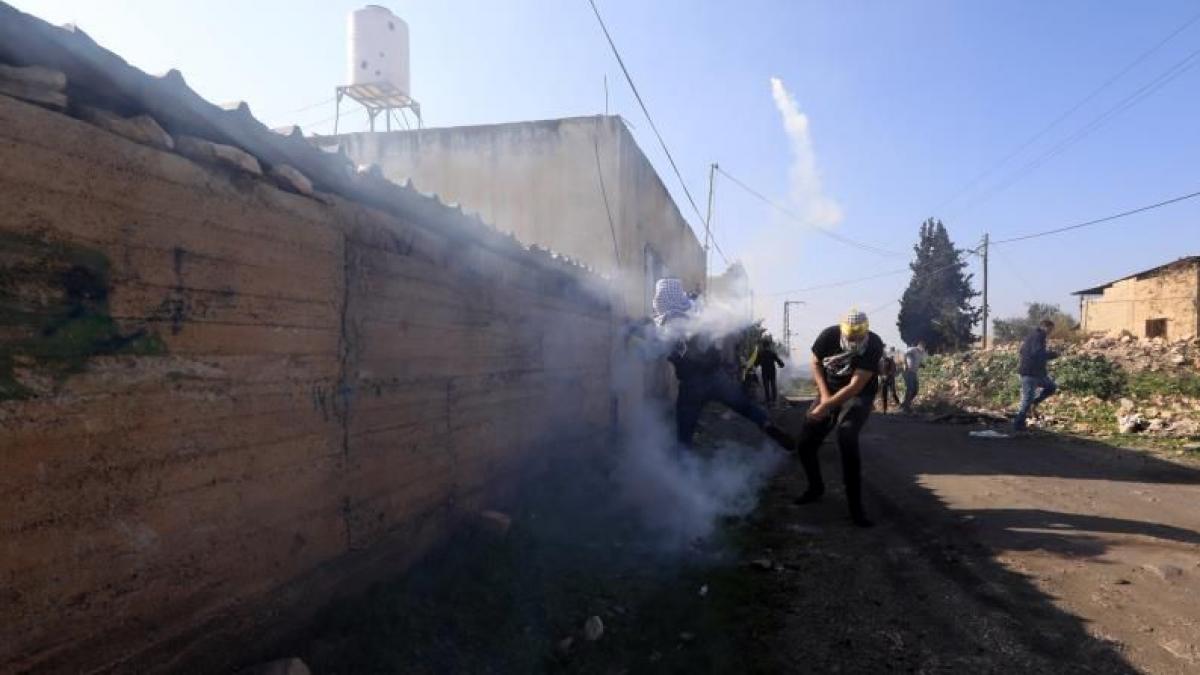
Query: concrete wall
[1172,294]
[547,182]
[542,182]
[222,403]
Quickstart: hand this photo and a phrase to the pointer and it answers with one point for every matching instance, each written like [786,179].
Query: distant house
[1160,302]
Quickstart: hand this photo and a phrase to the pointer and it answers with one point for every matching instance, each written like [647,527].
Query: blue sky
[899,106]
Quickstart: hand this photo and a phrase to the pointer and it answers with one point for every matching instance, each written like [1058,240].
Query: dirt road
[1107,539]
[1031,555]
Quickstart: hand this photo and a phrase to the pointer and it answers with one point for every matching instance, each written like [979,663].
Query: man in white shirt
[913,358]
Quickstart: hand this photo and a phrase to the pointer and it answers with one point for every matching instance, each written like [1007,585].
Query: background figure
[1032,368]
[766,360]
[887,381]
[913,358]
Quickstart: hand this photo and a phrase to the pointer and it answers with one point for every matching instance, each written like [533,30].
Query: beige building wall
[1127,305]
[546,182]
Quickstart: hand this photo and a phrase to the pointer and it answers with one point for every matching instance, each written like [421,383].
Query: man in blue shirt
[1036,384]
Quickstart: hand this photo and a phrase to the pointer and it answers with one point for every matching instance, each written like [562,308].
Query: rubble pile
[1108,386]
[1144,355]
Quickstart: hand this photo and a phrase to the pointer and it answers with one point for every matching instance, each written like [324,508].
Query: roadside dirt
[1031,555]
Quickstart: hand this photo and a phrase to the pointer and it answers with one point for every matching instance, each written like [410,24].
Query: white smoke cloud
[815,207]
[772,251]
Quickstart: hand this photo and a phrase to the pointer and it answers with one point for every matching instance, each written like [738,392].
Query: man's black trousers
[848,420]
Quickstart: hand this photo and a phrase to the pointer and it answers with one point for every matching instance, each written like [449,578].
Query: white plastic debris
[987,433]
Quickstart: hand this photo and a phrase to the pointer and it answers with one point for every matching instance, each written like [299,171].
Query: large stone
[593,629]
[140,129]
[216,153]
[1128,424]
[35,76]
[291,179]
[34,93]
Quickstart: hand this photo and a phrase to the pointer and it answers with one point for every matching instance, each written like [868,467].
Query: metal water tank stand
[378,98]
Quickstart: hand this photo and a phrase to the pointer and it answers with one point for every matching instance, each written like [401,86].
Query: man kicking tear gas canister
[845,366]
[697,363]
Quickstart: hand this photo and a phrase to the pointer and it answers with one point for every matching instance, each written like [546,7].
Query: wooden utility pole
[985,290]
[712,174]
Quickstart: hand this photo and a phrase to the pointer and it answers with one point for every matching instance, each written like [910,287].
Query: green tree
[936,306]
[1015,328]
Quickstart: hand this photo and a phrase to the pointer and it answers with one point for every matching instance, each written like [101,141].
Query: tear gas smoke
[680,493]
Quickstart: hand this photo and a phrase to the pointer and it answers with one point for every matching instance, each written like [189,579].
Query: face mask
[854,346]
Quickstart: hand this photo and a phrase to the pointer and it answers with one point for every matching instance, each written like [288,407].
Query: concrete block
[35,76]
[291,179]
[216,153]
[33,93]
[140,129]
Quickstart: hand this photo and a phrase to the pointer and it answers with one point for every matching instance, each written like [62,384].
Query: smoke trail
[806,191]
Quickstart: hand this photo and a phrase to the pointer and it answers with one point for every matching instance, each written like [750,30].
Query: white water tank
[378,50]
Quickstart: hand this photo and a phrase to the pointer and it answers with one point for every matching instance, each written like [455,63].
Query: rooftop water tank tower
[377,70]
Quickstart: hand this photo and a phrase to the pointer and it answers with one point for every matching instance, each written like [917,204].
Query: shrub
[1089,375]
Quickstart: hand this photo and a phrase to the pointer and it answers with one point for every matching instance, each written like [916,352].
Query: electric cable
[1070,111]
[826,231]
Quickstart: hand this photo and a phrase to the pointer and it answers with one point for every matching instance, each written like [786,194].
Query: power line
[1070,111]
[835,284]
[938,270]
[646,112]
[1145,91]
[1123,214]
[827,232]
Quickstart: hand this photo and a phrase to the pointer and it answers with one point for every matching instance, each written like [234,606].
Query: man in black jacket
[697,363]
[1032,368]
[766,359]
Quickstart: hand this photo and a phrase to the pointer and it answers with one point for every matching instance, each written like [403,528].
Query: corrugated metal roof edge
[99,77]
[1097,290]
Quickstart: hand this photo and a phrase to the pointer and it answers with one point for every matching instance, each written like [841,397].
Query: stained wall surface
[220,401]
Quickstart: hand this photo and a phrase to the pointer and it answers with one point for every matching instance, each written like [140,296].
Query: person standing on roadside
[845,364]
[887,381]
[1036,384]
[766,360]
[913,358]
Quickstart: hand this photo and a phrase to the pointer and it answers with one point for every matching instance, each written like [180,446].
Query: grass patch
[1146,384]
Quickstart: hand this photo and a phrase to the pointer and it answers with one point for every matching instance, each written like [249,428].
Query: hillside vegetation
[1143,389]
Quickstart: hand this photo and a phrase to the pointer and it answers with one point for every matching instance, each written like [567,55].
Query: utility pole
[787,324]
[985,290]
[712,174]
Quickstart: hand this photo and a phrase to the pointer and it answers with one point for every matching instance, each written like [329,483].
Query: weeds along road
[1062,554]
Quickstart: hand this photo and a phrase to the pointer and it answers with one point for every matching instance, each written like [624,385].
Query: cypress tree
[936,306]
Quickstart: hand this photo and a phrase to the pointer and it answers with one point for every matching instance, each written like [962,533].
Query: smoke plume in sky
[804,179]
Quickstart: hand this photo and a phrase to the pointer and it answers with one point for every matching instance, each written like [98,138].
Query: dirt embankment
[1142,391]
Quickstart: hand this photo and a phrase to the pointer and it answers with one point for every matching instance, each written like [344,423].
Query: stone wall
[1172,294]
[223,403]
